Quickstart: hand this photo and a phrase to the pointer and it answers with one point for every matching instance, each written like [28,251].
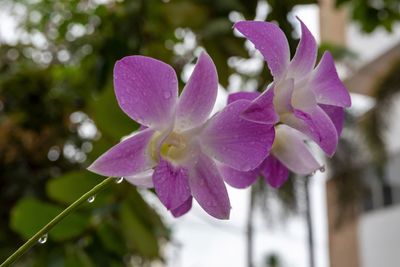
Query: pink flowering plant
[186,153]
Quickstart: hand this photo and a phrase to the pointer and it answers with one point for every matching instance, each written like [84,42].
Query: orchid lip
[175,147]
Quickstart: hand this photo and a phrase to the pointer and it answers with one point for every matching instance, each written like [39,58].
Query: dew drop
[322,169]
[119,180]
[91,199]
[167,94]
[43,239]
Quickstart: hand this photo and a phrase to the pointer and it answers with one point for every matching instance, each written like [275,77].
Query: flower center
[174,147]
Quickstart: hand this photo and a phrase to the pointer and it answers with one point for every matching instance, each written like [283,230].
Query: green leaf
[109,117]
[29,215]
[110,238]
[70,186]
[137,235]
[77,257]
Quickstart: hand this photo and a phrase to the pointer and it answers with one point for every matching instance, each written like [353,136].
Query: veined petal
[234,141]
[143,179]
[208,188]
[337,116]
[318,125]
[198,97]
[242,95]
[183,209]
[270,40]
[289,148]
[306,54]
[327,86]
[261,109]
[129,157]
[275,173]
[238,179]
[146,90]
[171,184]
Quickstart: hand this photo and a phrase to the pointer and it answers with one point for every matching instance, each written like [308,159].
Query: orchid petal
[126,158]
[146,90]
[234,141]
[283,96]
[208,188]
[318,125]
[143,179]
[275,173]
[182,209]
[306,54]
[242,95]
[262,109]
[289,148]
[327,86]
[238,179]
[198,97]
[171,184]
[337,116]
[270,40]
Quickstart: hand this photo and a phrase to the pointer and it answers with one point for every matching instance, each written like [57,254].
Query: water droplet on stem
[119,180]
[91,199]
[43,239]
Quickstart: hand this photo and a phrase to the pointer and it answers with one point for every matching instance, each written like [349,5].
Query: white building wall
[379,238]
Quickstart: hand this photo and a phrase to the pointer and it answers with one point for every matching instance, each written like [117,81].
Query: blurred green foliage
[373,14]
[58,113]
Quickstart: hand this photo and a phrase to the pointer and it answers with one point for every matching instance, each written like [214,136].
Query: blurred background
[58,113]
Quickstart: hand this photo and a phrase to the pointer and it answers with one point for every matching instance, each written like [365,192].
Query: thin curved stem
[34,239]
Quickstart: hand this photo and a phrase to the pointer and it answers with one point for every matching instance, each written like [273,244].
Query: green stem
[34,239]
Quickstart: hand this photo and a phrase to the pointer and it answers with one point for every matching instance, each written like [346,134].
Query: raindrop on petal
[91,199]
[43,239]
[119,180]
[167,94]
[322,169]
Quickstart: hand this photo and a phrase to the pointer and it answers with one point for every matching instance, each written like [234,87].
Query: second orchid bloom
[184,153]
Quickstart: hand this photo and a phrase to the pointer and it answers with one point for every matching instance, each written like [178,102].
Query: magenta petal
[306,54]
[234,141]
[337,116]
[208,188]
[126,158]
[198,97]
[242,95]
[289,148]
[319,127]
[262,109]
[270,40]
[183,209]
[171,184]
[146,90]
[327,86]
[275,173]
[239,179]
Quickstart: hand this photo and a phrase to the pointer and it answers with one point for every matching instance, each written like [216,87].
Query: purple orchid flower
[179,146]
[302,101]
[308,99]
